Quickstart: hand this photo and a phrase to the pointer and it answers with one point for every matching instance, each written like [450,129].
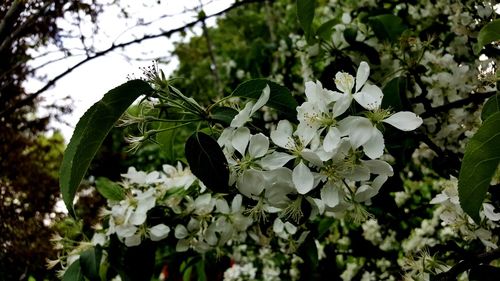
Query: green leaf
[489,33]
[207,161]
[280,97]
[90,262]
[305,14]
[74,272]
[325,30]
[200,271]
[479,164]
[366,50]
[132,263]
[90,133]
[484,272]
[491,106]
[308,251]
[350,34]
[223,114]
[393,91]
[109,189]
[387,27]
[324,226]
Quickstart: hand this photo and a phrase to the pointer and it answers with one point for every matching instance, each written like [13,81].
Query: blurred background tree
[29,159]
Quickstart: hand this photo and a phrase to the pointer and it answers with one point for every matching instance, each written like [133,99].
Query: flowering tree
[378,168]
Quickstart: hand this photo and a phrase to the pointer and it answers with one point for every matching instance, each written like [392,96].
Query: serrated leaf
[90,133]
[207,161]
[90,262]
[489,33]
[387,27]
[109,189]
[73,272]
[491,106]
[280,97]
[223,114]
[305,14]
[479,164]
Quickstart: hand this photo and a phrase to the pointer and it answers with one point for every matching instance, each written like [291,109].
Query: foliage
[325,186]
[29,158]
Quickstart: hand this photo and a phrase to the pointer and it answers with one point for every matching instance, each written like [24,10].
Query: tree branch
[16,33]
[113,47]
[466,264]
[476,98]
[12,13]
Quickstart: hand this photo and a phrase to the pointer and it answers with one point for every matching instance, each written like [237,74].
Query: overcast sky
[88,83]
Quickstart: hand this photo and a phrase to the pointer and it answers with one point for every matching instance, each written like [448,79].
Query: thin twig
[167,33]
[466,264]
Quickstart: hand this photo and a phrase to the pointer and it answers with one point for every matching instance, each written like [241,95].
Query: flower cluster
[329,160]
[452,215]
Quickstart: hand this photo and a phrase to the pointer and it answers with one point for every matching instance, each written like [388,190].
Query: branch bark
[466,264]
[113,47]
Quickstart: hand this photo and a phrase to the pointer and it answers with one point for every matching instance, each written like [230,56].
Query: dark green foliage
[90,133]
[479,164]
[207,162]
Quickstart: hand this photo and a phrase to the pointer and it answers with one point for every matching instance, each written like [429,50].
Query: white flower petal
[158,232]
[359,173]
[332,139]
[264,97]
[240,139]
[125,230]
[243,116]
[374,147]
[145,204]
[379,181]
[137,218]
[282,136]
[404,120]
[330,195]
[370,97]
[318,206]
[99,239]
[440,198]
[489,212]
[259,144]
[180,232]
[316,94]
[302,178]
[182,245]
[251,182]
[225,137]
[361,132]
[362,75]
[312,157]
[278,226]
[305,133]
[344,82]
[236,203]
[133,241]
[221,206]
[341,104]
[275,160]
[364,193]
[379,167]
[290,228]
